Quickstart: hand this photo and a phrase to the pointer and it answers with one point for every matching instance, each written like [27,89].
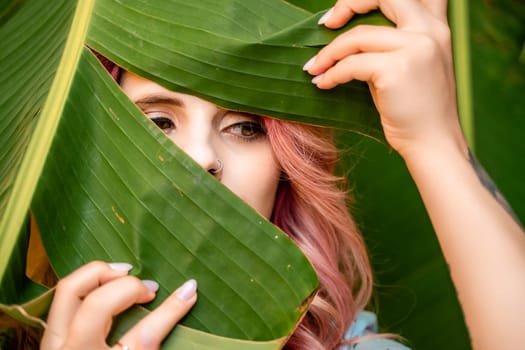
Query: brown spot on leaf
[178,189]
[117,215]
[114,114]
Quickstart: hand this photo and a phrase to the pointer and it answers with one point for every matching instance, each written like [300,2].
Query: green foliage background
[414,294]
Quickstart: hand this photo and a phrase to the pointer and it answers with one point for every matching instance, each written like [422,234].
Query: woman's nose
[203,153]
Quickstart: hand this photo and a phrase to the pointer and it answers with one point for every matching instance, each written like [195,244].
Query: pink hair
[312,209]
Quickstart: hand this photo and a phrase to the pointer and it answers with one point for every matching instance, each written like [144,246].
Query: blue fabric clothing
[365,324]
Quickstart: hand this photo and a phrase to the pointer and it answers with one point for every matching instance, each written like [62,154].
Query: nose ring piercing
[218,169]
[123,347]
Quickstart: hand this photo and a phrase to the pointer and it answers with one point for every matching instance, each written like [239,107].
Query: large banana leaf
[29,59]
[128,194]
[244,55]
[110,186]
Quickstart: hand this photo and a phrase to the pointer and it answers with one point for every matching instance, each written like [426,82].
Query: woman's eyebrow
[159,100]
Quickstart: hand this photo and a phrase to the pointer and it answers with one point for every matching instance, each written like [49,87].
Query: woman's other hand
[409,69]
[86,301]
[410,73]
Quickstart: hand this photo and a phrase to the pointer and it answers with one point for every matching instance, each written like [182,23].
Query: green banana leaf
[233,59]
[135,197]
[97,193]
[30,58]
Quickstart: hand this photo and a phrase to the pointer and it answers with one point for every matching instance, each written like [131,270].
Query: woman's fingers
[92,321]
[357,40]
[399,64]
[362,67]
[87,300]
[401,12]
[70,293]
[424,39]
[149,332]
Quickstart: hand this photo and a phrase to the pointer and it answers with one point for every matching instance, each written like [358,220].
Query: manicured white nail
[120,266]
[310,63]
[317,79]
[325,17]
[187,290]
[151,285]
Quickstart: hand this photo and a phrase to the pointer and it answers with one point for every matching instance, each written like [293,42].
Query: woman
[399,64]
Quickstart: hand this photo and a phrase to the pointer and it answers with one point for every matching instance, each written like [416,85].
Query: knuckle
[153,340]
[403,64]
[73,282]
[427,49]
[349,6]
[97,265]
[66,282]
[65,286]
[75,329]
[331,79]
[337,79]
[93,301]
[325,54]
[443,34]
[426,44]
[343,5]
[358,29]
[133,283]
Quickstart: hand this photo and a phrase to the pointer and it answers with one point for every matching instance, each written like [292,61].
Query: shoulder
[366,324]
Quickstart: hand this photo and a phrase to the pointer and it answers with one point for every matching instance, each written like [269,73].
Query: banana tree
[69,153]
[103,183]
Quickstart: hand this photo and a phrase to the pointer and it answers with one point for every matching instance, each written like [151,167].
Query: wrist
[436,146]
[440,151]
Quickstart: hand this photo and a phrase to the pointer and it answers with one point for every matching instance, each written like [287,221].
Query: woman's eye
[247,130]
[164,123]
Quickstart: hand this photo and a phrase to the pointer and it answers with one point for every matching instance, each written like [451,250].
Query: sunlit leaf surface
[128,194]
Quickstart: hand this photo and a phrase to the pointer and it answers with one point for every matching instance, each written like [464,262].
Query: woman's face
[208,133]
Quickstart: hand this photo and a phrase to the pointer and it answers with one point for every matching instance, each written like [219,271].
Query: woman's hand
[409,68]
[86,301]
[410,74]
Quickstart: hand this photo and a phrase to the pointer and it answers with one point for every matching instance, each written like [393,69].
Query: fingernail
[317,79]
[310,63]
[120,266]
[187,290]
[325,17]
[151,285]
